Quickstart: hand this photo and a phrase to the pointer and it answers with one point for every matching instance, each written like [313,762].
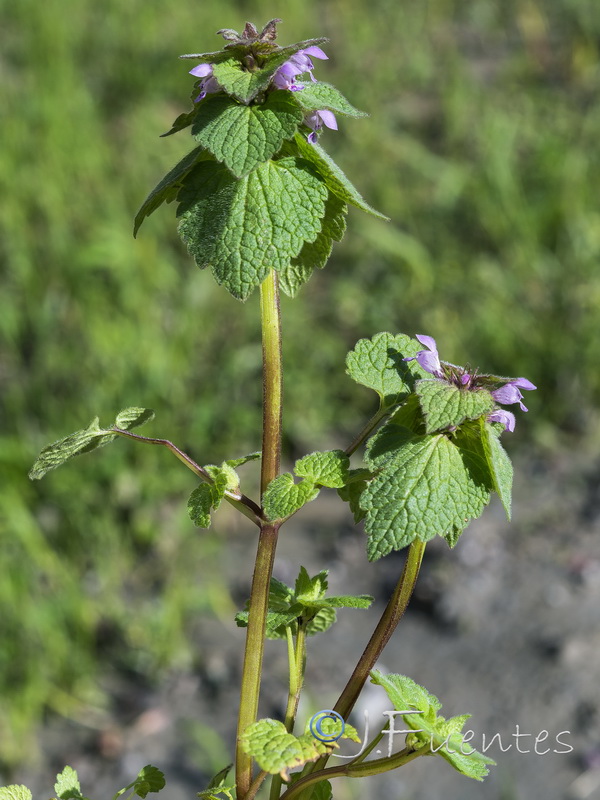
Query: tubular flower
[209,85]
[300,62]
[316,120]
[467,379]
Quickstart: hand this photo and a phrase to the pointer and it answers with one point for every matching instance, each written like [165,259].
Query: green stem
[365,770]
[244,504]
[263,568]
[368,428]
[297,661]
[381,635]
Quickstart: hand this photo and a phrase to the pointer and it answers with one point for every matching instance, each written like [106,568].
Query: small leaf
[183,121]
[329,468]
[67,785]
[307,588]
[15,792]
[445,405]
[242,137]
[149,779]
[277,621]
[323,620]
[351,492]
[133,417]
[342,601]
[200,504]
[75,444]
[238,462]
[407,694]
[169,186]
[378,364]
[333,176]
[315,96]
[244,228]
[275,750]
[283,497]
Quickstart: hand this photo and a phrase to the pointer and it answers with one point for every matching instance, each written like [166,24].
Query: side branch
[240,501]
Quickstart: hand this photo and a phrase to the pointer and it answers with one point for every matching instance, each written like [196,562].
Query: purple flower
[428,359]
[316,120]
[467,379]
[506,418]
[209,84]
[298,64]
[509,393]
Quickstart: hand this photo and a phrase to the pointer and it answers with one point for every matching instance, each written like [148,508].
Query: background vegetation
[482,146]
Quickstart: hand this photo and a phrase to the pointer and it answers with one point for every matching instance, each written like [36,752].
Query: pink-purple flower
[298,64]
[316,120]
[209,84]
[464,378]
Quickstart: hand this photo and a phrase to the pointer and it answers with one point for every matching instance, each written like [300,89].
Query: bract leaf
[241,136]
[378,364]
[315,96]
[426,486]
[243,228]
[445,405]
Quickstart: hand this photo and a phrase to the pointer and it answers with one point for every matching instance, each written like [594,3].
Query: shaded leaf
[445,405]
[316,96]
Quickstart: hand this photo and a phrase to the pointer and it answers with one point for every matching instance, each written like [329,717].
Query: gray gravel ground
[505,627]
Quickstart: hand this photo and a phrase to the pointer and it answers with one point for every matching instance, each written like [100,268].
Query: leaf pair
[283,497]
[305,603]
[86,440]
[442,736]
[207,497]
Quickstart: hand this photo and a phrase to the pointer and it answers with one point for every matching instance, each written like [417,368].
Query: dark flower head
[466,379]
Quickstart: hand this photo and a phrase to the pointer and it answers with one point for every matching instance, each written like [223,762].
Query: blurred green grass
[481,147]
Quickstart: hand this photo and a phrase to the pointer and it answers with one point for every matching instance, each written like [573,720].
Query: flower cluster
[284,78]
[468,380]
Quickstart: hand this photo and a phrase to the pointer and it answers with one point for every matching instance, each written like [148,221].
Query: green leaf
[378,364]
[217,786]
[184,120]
[277,621]
[149,779]
[445,405]
[315,96]
[499,464]
[243,228]
[351,492]
[241,136]
[200,504]
[238,462]
[307,588]
[67,785]
[321,622]
[329,468]
[284,497]
[342,601]
[275,750]
[75,444]
[15,792]
[133,417]
[169,186]
[331,727]
[444,736]
[244,84]
[333,176]
[314,255]
[426,487]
